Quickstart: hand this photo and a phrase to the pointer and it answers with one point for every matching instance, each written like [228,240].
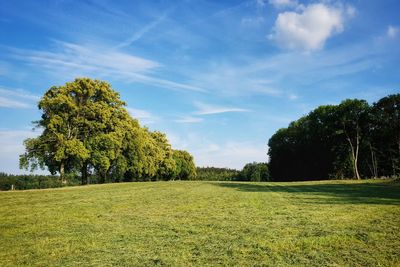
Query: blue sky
[219,77]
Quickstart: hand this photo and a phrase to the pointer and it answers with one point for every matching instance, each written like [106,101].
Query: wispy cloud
[142,115]
[285,74]
[70,56]
[3,68]
[206,109]
[392,31]
[10,103]
[72,60]
[17,98]
[138,35]
[284,3]
[189,119]
[252,21]
[247,78]
[19,93]
[260,3]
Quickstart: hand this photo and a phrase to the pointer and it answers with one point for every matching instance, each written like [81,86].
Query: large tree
[80,128]
[352,123]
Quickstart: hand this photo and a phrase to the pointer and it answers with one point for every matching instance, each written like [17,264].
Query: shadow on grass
[329,193]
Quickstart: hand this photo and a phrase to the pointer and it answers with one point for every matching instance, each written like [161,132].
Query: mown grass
[335,223]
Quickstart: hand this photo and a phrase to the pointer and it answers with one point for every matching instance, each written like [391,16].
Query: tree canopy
[254,172]
[352,139]
[87,130]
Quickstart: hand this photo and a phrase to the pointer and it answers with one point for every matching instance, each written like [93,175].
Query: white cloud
[189,119]
[206,109]
[73,60]
[392,31]
[309,29]
[143,116]
[283,3]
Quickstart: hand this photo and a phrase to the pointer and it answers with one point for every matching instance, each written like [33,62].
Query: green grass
[331,223]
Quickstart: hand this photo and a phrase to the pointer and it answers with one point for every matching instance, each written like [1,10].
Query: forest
[349,140]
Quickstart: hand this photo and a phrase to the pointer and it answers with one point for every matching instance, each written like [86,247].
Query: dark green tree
[385,135]
[329,142]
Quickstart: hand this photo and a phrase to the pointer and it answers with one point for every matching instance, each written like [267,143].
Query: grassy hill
[335,223]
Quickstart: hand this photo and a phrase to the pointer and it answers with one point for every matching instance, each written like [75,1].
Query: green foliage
[166,165]
[86,129]
[216,174]
[330,223]
[385,135]
[185,167]
[24,182]
[351,139]
[254,172]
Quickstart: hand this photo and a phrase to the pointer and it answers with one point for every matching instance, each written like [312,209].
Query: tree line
[30,181]
[349,140]
[87,131]
[254,172]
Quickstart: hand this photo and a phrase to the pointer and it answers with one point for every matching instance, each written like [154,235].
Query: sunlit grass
[203,223]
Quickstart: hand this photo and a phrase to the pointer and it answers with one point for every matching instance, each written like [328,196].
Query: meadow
[197,223]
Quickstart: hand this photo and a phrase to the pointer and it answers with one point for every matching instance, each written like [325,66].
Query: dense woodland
[349,140]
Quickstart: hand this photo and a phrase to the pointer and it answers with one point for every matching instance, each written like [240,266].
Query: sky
[218,77]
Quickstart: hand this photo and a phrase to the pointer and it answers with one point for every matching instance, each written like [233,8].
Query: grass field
[334,223]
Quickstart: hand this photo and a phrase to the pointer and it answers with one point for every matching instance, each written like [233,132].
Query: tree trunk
[354,158]
[356,168]
[103,177]
[85,178]
[374,170]
[62,173]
